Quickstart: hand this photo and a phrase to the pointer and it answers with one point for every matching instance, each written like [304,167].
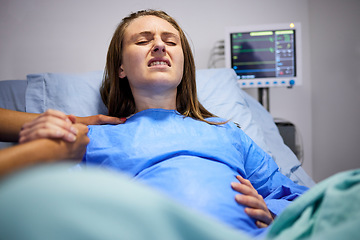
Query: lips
[159,62]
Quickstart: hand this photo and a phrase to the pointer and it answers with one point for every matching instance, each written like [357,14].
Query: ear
[121,72]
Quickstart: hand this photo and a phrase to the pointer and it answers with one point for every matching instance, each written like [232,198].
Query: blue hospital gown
[192,162]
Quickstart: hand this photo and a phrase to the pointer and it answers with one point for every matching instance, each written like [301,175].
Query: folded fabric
[50,202]
[330,210]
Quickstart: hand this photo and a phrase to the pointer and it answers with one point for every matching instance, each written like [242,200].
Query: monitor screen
[264,56]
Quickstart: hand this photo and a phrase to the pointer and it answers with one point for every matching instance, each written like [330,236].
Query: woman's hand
[256,206]
[76,149]
[57,125]
[51,124]
[99,120]
[43,150]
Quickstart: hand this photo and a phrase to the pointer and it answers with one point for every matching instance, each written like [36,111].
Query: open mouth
[159,63]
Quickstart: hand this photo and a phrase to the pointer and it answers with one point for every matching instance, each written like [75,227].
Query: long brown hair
[116,93]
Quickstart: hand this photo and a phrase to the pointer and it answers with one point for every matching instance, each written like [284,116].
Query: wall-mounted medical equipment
[265,55]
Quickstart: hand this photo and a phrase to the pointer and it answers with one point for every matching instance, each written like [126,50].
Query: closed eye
[171,43]
[142,42]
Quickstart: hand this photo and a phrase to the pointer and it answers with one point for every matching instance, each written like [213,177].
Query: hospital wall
[73,35]
[335,85]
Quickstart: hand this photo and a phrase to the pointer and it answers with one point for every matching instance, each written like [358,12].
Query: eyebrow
[148,34]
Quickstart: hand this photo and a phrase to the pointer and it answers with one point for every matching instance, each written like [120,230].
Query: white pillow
[219,93]
[76,94]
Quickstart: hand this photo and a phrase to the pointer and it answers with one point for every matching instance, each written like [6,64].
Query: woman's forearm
[11,123]
[43,150]
[31,153]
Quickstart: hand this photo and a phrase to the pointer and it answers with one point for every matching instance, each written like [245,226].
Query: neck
[148,101]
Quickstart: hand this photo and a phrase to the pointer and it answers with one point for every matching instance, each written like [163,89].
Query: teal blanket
[330,210]
[53,203]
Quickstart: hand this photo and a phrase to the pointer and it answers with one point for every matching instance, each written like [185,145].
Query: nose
[159,47]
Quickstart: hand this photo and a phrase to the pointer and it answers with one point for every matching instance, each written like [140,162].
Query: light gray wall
[335,66]
[72,36]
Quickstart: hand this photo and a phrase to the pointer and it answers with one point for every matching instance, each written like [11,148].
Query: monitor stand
[263,97]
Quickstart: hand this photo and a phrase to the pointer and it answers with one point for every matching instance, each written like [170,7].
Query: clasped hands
[67,129]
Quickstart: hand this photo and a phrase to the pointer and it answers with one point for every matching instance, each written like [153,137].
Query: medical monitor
[265,55]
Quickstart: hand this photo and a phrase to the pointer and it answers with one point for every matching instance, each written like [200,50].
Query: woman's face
[152,56]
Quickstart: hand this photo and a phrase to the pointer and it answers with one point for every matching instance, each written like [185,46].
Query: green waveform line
[284,32]
[263,33]
[265,39]
[237,50]
[254,63]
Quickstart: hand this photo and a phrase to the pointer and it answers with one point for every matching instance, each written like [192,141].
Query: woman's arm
[100,119]
[43,150]
[11,122]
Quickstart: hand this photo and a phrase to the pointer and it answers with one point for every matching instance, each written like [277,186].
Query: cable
[299,146]
[216,54]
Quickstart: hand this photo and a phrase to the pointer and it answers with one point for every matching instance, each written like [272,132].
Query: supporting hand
[100,119]
[51,124]
[75,150]
[256,206]
[57,125]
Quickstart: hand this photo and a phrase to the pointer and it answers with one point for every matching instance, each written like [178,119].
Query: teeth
[158,63]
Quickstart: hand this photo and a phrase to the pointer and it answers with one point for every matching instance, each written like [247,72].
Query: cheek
[131,62]
[180,61]
[129,59]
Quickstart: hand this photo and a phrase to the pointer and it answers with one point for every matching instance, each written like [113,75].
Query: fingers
[72,118]
[103,119]
[100,119]
[264,216]
[76,150]
[51,124]
[254,202]
[81,129]
[255,207]
[261,224]
[30,135]
[245,187]
[250,201]
[244,181]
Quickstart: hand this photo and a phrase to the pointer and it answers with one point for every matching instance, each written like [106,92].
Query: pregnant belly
[201,184]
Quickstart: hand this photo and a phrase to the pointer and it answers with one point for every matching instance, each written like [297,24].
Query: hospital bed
[218,91]
[330,210]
